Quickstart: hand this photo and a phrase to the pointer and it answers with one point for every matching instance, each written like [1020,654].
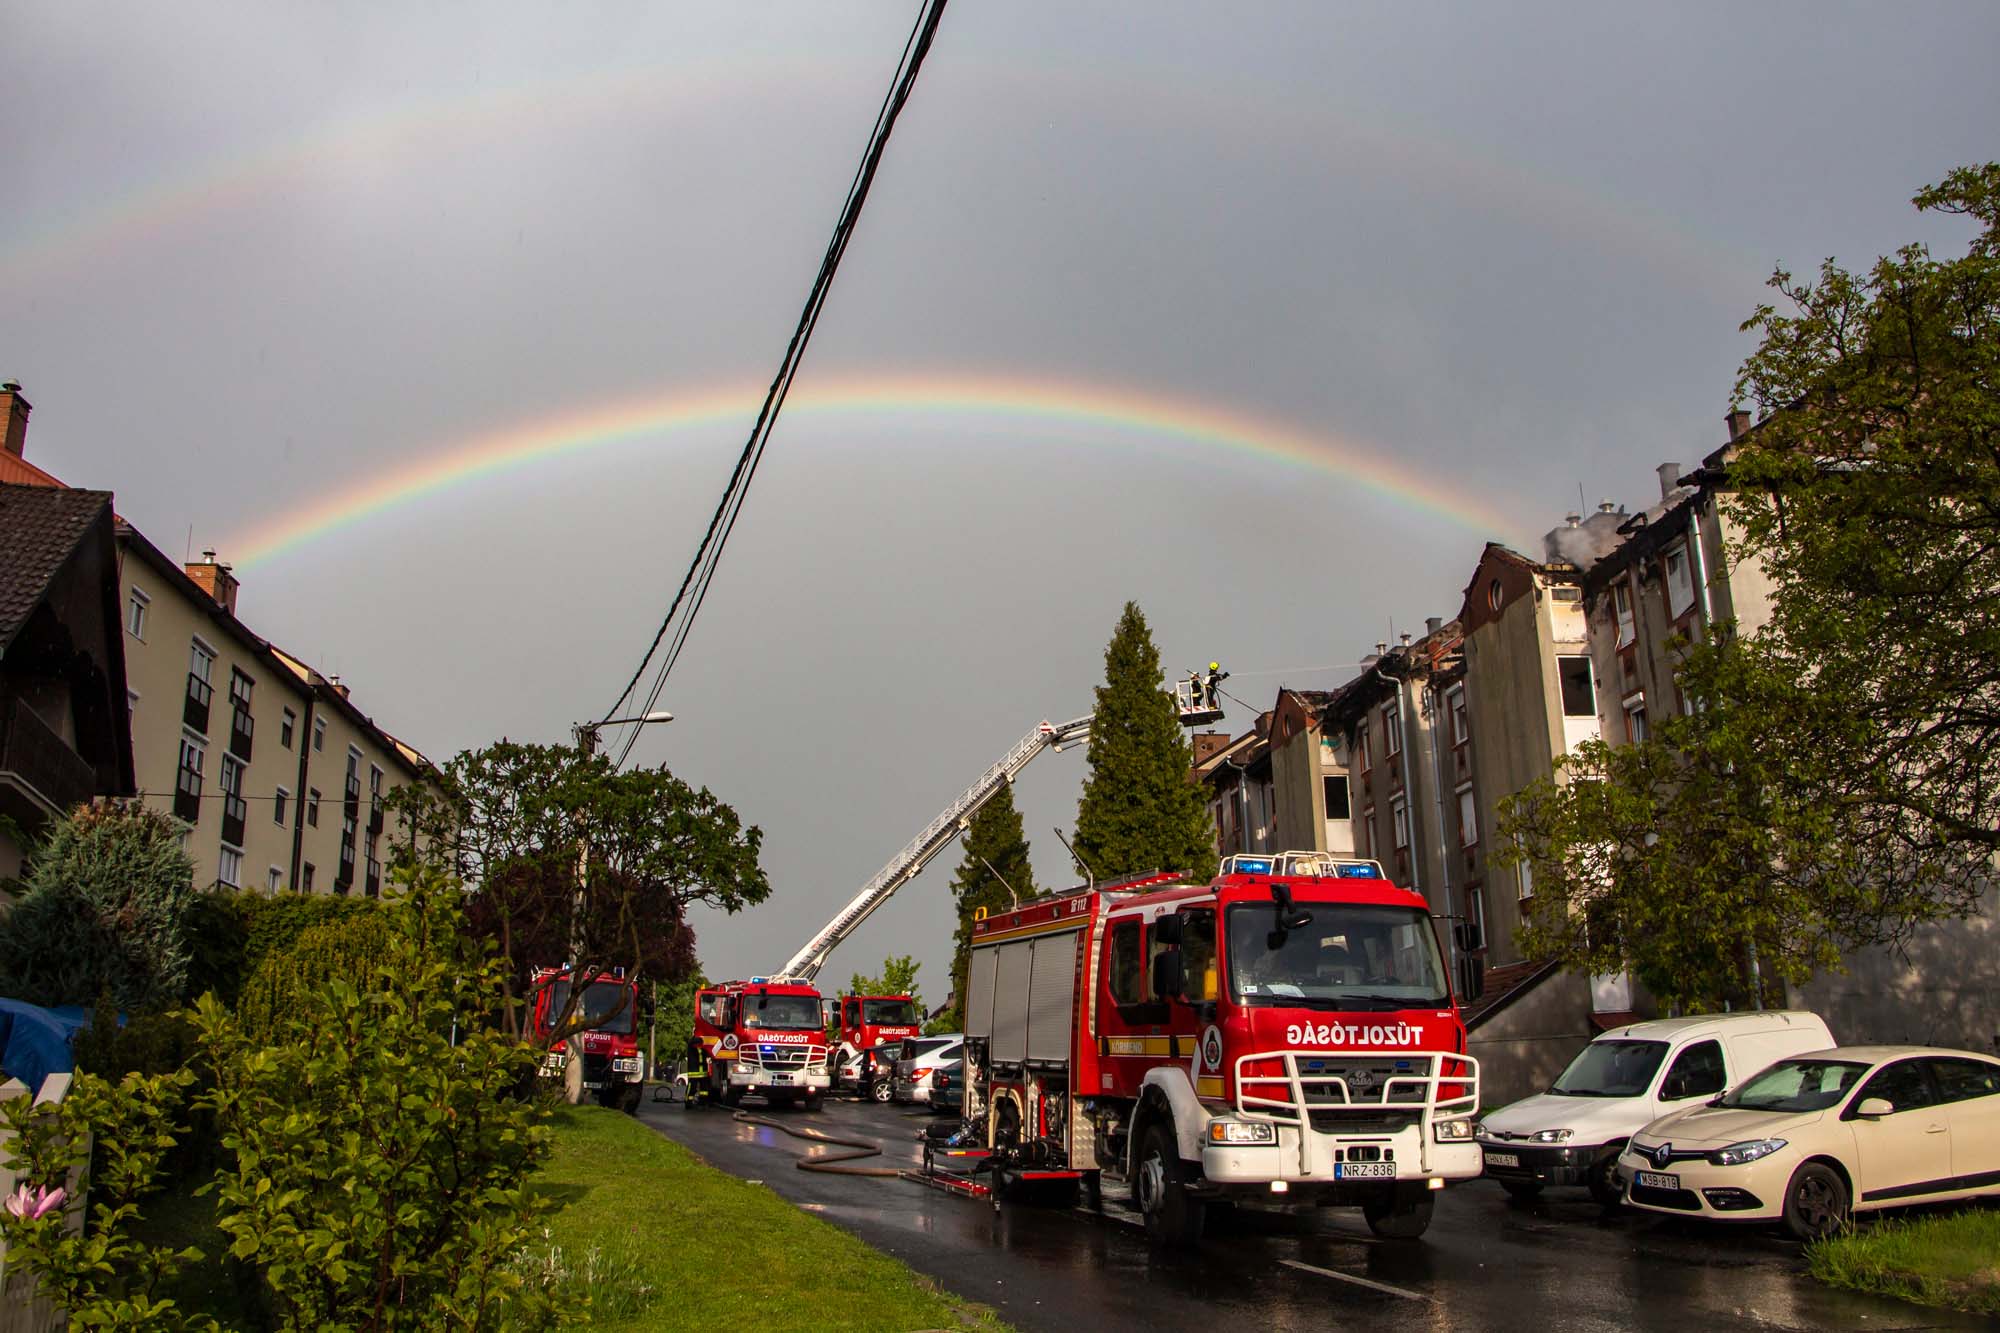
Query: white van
[1623,1081]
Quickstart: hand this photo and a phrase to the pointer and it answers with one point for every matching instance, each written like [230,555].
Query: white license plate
[1503,1159]
[629,1065]
[1364,1171]
[1657,1180]
[781,1078]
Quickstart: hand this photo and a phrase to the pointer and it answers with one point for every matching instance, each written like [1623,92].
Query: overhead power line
[693,591]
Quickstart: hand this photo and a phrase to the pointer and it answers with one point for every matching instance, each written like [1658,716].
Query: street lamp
[586,732]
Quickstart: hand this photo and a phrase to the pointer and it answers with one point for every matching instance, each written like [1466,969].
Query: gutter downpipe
[1437,809]
[1403,728]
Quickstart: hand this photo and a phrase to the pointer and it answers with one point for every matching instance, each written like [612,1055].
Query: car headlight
[1736,1154]
[1452,1131]
[1551,1135]
[1241,1131]
[1479,1130]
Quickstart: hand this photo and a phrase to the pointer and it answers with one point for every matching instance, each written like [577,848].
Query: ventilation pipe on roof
[1670,479]
[1432,624]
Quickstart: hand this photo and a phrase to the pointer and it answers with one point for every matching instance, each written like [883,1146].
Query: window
[1399,818]
[1198,955]
[1680,582]
[278,804]
[1635,718]
[1904,1083]
[1127,970]
[319,734]
[1961,1080]
[1565,592]
[1468,817]
[131,702]
[374,782]
[1527,878]
[1621,602]
[1335,785]
[187,778]
[1475,920]
[1365,835]
[312,807]
[274,879]
[1361,745]
[201,663]
[1579,698]
[306,878]
[287,723]
[240,687]
[1697,1072]
[230,871]
[135,614]
[1392,739]
[1455,702]
[1495,595]
[354,766]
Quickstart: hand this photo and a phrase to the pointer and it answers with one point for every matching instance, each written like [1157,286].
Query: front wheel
[811,1100]
[1603,1181]
[1816,1202]
[1402,1213]
[879,1090]
[1159,1190]
[732,1096]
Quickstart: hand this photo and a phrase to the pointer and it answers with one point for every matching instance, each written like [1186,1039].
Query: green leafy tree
[103,1274]
[1838,783]
[380,1176]
[284,980]
[108,906]
[994,843]
[512,819]
[673,1011]
[898,977]
[1139,811]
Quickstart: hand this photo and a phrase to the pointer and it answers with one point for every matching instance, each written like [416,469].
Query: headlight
[1452,1131]
[1479,1130]
[1551,1136]
[1736,1154]
[1241,1131]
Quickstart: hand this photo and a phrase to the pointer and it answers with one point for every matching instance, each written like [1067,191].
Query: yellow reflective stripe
[1140,1046]
[1208,1085]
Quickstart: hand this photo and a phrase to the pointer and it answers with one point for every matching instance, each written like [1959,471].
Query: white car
[1623,1081]
[1817,1137]
[921,1058]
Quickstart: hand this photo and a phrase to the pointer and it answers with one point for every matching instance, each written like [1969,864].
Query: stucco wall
[1946,992]
[1524,1046]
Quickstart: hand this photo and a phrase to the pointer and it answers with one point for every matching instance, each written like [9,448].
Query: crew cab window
[1962,1080]
[1127,971]
[1697,1072]
[1198,955]
[711,1010]
[853,1018]
[1904,1084]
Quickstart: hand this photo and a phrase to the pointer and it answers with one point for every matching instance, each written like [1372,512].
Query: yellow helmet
[1215,666]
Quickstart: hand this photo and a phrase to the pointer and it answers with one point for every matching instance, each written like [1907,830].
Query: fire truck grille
[1351,1122]
[780,1057]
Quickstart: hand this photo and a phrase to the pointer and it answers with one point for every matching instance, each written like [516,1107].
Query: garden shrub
[349,949]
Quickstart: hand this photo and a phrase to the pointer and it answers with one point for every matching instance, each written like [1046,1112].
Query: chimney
[215,579]
[1207,744]
[1670,478]
[1573,519]
[338,688]
[1406,639]
[1432,624]
[17,409]
[1739,423]
[1606,507]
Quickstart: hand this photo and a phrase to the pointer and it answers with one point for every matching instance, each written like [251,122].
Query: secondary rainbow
[1093,413]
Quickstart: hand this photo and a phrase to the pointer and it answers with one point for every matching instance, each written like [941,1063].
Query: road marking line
[1358,1281]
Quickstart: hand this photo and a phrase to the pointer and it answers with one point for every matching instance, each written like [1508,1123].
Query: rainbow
[1037,406]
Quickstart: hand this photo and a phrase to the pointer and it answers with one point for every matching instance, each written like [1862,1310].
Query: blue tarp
[34,1042]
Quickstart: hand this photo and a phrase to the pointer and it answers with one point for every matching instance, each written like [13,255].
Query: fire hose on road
[829,1162]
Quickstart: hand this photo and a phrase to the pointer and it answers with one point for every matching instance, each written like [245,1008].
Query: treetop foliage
[897,977]
[1139,810]
[994,842]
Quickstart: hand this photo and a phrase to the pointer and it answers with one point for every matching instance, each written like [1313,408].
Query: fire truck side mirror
[1169,975]
[1167,929]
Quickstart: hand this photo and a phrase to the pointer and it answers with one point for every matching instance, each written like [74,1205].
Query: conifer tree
[996,837]
[1139,810]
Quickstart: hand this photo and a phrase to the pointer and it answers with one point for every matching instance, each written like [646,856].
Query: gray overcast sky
[255,258]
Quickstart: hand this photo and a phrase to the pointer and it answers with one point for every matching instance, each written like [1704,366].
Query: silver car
[919,1061]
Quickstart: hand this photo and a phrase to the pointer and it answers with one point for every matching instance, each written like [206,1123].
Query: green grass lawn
[1947,1259]
[678,1244]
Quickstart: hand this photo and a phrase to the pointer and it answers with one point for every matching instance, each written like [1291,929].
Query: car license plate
[781,1078]
[1364,1171]
[1656,1180]
[1503,1159]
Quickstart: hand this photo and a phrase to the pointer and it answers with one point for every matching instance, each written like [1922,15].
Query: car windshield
[604,998]
[1611,1069]
[781,1011]
[916,1048]
[1798,1085]
[1349,956]
[899,1012]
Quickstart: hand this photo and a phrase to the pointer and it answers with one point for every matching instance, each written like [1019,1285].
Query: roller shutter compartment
[1052,997]
[979,993]
[1010,1003]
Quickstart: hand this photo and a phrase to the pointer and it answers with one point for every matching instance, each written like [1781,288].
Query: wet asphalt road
[1560,1266]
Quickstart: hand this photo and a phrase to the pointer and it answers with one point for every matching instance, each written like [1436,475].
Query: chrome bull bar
[1299,1096]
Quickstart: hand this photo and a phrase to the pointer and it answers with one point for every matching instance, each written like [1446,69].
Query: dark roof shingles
[40,528]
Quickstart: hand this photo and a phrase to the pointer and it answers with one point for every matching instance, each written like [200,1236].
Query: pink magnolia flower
[32,1201]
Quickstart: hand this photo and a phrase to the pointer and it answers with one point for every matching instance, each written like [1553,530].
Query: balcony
[194,713]
[234,813]
[375,819]
[351,799]
[32,755]
[372,886]
[187,795]
[242,728]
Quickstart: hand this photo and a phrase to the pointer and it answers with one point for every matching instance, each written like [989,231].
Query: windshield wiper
[1396,1001]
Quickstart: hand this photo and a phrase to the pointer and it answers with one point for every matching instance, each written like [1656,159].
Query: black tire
[732,1096]
[1403,1213]
[1603,1180]
[629,1101]
[880,1090]
[1159,1190]
[810,1101]
[1522,1191]
[1816,1202]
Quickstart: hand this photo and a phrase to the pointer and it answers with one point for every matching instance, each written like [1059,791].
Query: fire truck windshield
[604,998]
[888,1011]
[780,1011]
[1350,956]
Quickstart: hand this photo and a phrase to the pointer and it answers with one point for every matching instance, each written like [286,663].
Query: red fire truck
[760,1036]
[613,1066]
[1285,1033]
[867,1023]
